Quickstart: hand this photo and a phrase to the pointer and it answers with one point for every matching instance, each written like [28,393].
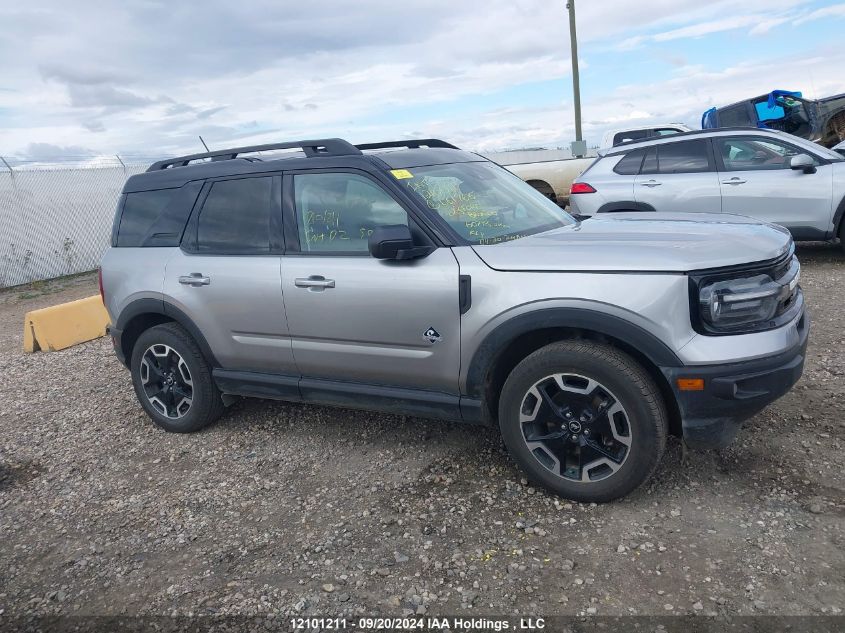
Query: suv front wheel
[583,420]
[173,380]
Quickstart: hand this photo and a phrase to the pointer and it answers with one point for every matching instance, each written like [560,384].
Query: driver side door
[354,318]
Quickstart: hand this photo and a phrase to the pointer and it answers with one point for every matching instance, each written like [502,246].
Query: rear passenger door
[227,278]
[354,318]
[679,177]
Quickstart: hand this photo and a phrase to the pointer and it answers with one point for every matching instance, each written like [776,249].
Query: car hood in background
[638,242]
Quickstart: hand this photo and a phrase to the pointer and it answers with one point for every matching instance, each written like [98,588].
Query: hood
[637,242]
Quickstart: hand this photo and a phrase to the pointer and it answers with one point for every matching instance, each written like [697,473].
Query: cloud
[742,15]
[767,25]
[77,74]
[209,112]
[89,87]
[149,76]
[706,28]
[758,24]
[48,151]
[835,11]
[94,126]
[94,96]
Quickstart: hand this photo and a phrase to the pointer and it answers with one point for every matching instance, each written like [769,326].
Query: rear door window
[683,157]
[235,217]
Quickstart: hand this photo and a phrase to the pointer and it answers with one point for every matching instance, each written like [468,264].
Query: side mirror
[395,241]
[803,162]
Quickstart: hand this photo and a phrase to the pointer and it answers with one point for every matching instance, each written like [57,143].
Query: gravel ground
[291,509]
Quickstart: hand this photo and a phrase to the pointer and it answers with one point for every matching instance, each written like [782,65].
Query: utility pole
[579,147]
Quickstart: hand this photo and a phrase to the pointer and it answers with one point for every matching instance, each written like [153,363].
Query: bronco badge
[431,335]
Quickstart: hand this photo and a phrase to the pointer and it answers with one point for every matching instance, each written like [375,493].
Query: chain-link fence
[56,219]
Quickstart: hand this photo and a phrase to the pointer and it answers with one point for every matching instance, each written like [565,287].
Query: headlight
[750,301]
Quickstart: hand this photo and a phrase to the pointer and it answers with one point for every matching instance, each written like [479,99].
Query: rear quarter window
[630,163]
[140,211]
[156,217]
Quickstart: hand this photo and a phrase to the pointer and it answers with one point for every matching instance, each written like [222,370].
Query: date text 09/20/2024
[417,623]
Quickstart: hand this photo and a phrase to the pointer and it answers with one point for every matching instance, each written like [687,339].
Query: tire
[608,410]
[545,188]
[179,395]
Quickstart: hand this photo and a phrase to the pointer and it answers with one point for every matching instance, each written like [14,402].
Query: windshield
[482,202]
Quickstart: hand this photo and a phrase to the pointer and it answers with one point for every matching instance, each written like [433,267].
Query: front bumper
[734,392]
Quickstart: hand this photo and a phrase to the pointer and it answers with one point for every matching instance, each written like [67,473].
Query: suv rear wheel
[173,380]
[583,420]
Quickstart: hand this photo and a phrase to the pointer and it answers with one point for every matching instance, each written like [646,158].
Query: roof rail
[318,147]
[410,144]
[693,133]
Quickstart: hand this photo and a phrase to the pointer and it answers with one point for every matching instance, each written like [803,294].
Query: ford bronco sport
[415,278]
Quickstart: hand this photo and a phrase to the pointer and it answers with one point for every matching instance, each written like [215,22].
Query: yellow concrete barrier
[66,324]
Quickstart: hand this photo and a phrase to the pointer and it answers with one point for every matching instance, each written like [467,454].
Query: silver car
[415,278]
[764,174]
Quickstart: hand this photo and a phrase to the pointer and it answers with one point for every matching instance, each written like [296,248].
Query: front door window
[753,154]
[337,212]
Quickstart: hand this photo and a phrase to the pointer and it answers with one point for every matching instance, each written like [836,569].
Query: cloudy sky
[146,77]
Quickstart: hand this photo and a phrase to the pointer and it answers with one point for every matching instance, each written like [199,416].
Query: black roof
[323,153]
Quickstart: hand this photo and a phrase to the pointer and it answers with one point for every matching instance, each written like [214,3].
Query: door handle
[314,281]
[195,280]
[734,181]
[650,183]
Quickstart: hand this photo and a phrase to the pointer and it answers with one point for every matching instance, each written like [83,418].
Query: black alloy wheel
[167,381]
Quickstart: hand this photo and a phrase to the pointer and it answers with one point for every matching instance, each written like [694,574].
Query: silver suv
[766,174]
[415,278]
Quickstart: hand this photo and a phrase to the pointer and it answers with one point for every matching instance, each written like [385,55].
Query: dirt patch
[14,474]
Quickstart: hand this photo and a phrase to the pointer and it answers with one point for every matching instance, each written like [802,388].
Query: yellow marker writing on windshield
[401,174]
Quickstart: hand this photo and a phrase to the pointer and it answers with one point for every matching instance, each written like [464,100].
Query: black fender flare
[608,325]
[629,205]
[837,219]
[140,307]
